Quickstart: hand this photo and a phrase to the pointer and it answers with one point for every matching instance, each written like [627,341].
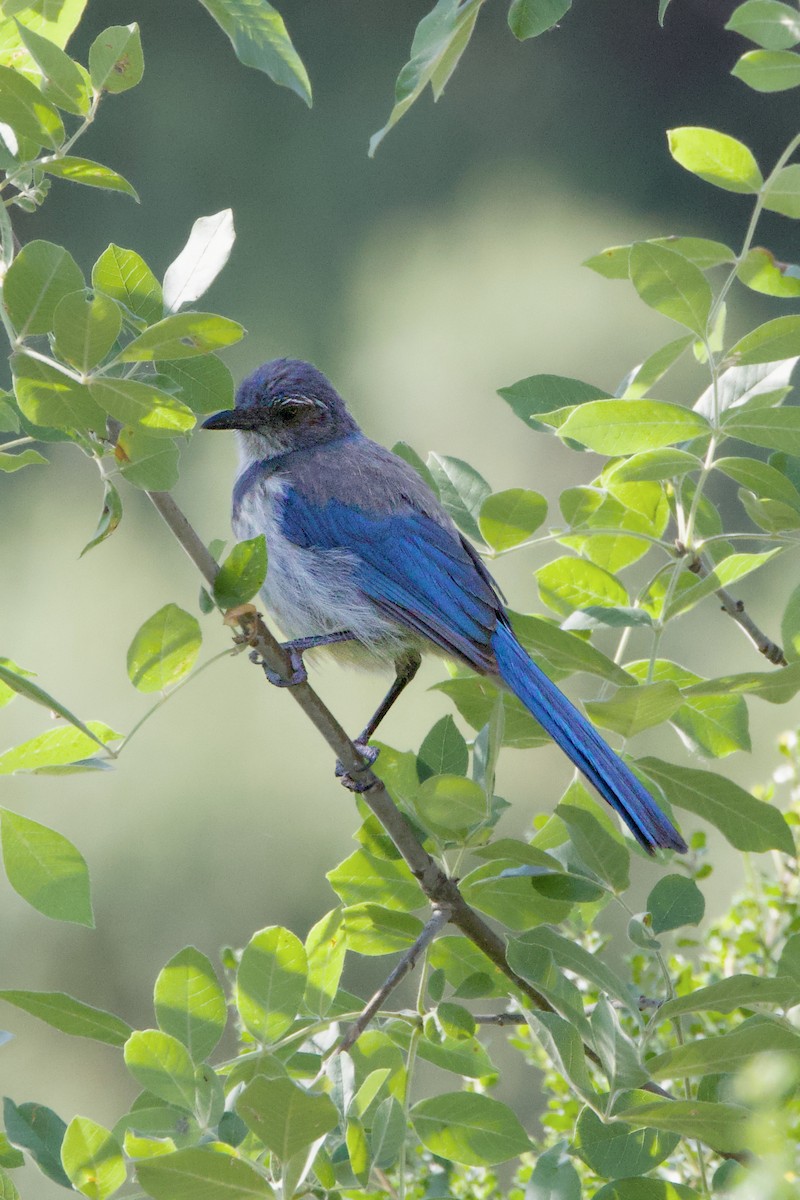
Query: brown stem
[736,610]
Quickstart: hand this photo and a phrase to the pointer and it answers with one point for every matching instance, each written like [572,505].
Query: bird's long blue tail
[581,742]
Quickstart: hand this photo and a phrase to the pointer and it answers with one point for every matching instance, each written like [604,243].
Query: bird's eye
[290,411]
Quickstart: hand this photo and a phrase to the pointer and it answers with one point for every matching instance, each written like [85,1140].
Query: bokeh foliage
[119,366]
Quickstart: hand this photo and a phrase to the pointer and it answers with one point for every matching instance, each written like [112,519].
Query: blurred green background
[420,282]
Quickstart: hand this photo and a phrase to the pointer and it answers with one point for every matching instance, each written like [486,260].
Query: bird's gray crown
[286,404]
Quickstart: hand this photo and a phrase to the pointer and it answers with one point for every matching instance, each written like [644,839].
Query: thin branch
[736,610]
[439,918]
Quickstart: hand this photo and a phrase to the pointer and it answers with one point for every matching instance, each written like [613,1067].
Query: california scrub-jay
[363,559]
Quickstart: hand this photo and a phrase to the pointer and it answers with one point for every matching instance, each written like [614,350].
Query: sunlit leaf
[715,157]
[45,869]
[769,70]
[469,1128]
[164,649]
[259,39]
[115,59]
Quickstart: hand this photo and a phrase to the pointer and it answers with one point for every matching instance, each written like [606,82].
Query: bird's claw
[351,782]
[298,675]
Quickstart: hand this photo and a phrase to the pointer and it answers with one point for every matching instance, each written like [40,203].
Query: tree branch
[440,916]
[735,609]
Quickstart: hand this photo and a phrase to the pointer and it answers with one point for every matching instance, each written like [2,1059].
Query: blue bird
[364,561]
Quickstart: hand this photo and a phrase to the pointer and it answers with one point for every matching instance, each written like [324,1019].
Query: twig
[735,609]
[439,918]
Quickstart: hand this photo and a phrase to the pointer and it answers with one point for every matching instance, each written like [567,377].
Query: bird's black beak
[230,419]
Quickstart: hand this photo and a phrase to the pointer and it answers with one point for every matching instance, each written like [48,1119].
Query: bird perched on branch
[363,560]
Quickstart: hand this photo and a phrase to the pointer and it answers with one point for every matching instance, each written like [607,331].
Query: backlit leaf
[164,649]
[45,869]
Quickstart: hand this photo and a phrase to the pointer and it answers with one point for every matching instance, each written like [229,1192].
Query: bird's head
[285,405]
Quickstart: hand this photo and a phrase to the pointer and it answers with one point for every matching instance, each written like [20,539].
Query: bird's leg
[406,667]
[296,649]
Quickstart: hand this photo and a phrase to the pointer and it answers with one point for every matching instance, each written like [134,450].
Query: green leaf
[373,930]
[451,803]
[778,339]
[115,59]
[554,1177]
[68,84]
[782,194]
[40,276]
[462,491]
[147,462]
[92,1158]
[510,517]
[673,902]
[727,1051]
[775,428]
[439,41]
[410,456]
[633,709]
[654,368]
[110,516]
[724,1127]
[769,70]
[761,478]
[198,1174]
[164,649]
[747,823]
[737,991]
[568,583]
[443,752]
[618,1053]
[647,1188]
[563,1045]
[285,1117]
[56,747]
[7,1188]
[614,263]
[183,335]
[614,1150]
[529,18]
[469,1128]
[716,158]
[15,462]
[86,327]
[790,634]
[126,277]
[761,272]
[768,23]
[48,397]
[30,115]
[626,426]
[539,395]
[40,1131]
[242,573]
[270,982]
[387,1133]
[536,964]
[71,1016]
[362,877]
[570,955]
[562,651]
[14,679]
[206,383]
[712,719]
[190,1004]
[652,465]
[605,855]
[134,403]
[90,174]
[776,687]
[475,700]
[163,1066]
[200,261]
[45,869]
[325,948]
[259,39]
[726,572]
[669,283]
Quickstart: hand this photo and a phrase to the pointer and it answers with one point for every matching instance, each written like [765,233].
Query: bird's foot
[354,783]
[298,675]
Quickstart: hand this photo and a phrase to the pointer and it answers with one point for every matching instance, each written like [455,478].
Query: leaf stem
[173,691]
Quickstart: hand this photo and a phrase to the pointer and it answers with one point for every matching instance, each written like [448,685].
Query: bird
[366,563]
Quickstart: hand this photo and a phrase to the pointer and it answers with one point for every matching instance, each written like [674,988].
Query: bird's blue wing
[413,569]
